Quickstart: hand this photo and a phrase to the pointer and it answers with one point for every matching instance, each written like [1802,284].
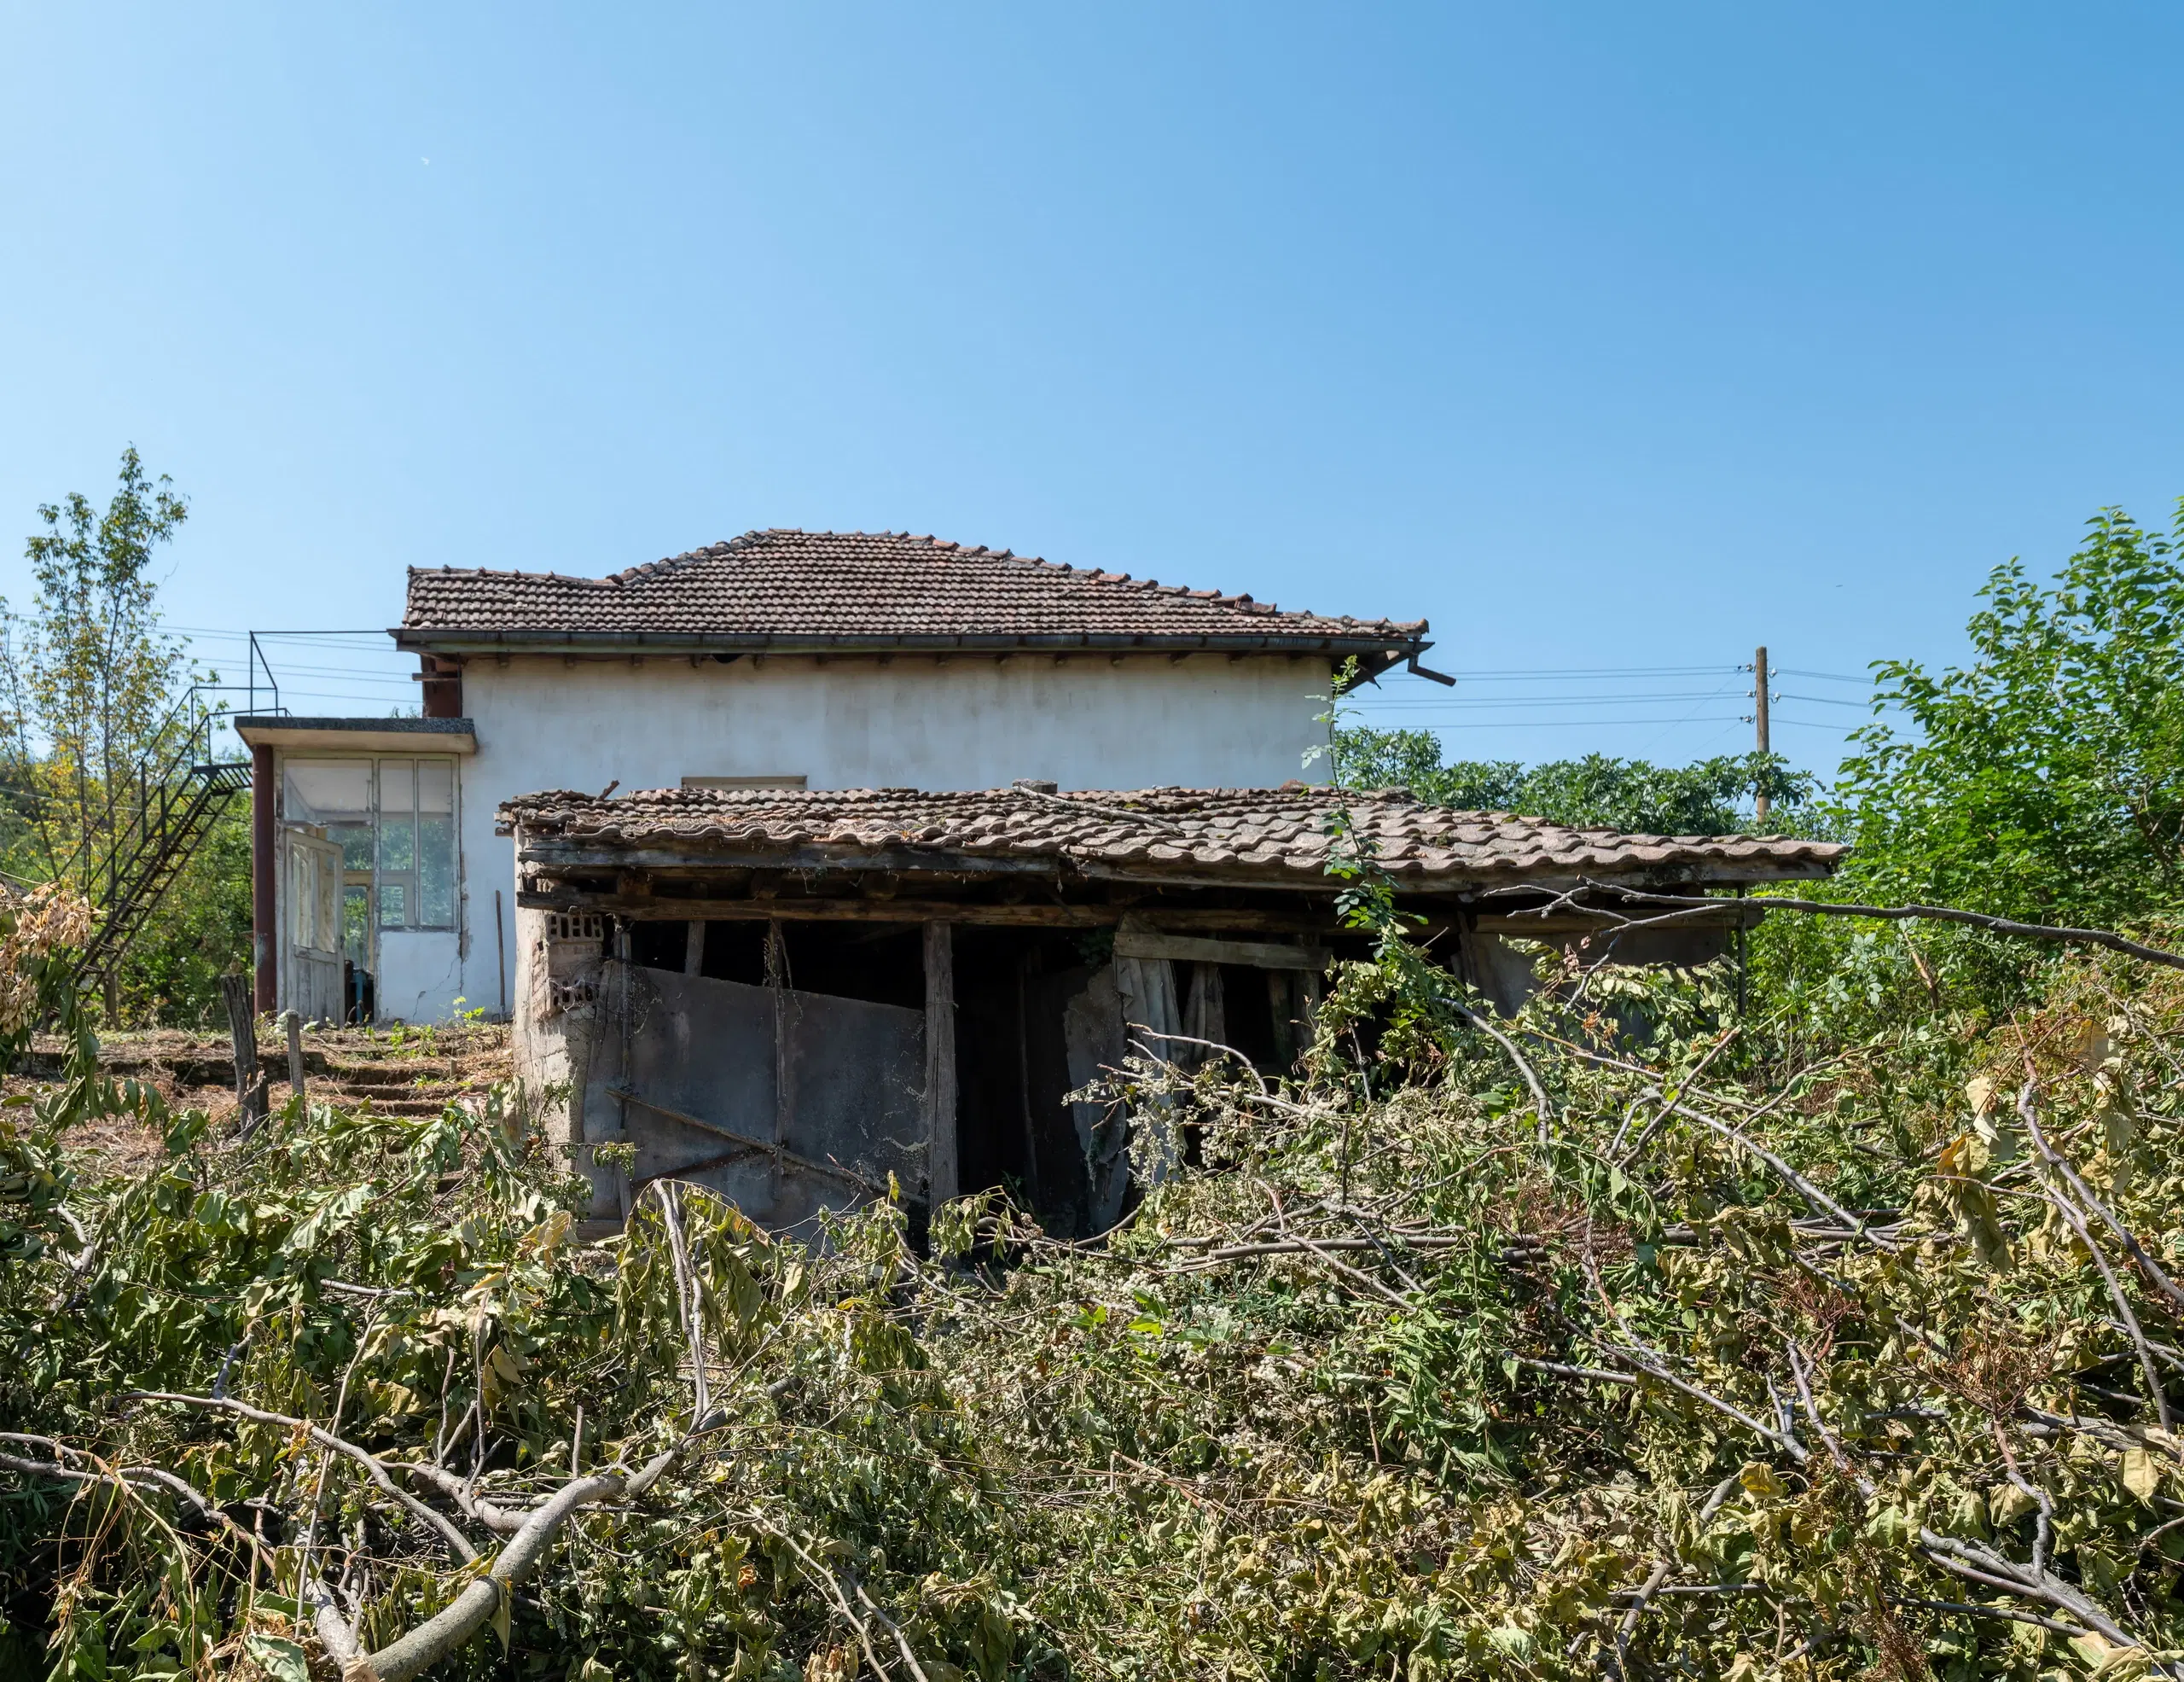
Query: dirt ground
[406,1071]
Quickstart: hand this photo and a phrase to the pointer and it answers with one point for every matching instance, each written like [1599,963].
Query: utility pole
[1760,802]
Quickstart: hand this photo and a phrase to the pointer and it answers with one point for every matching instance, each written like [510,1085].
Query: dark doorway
[1014,1129]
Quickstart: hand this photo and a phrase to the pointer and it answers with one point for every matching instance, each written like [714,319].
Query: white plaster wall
[1204,721]
[421,975]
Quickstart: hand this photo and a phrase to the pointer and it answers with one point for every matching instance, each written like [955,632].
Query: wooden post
[693,948]
[941,1161]
[777,988]
[264,938]
[294,1024]
[1023,1072]
[1760,803]
[1283,1007]
[242,1032]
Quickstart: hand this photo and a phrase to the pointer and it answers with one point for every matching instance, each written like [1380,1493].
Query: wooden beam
[1310,879]
[941,1168]
[1252,954]
[910,911]
[1029,915]
[747,1146]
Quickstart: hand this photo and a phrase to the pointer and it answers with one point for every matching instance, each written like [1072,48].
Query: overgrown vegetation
[1564,1351]
[1821,1327]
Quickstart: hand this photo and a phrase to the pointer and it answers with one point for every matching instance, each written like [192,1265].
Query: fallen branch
[1993,925]
[425,1646]
[1974,1609]
[1541,1107]
[1976,1562]
[502,1520]
[2085,1195]
[1658,1579]
[371,1464]
[2077,1224]
[153,1477]
[1590,1374]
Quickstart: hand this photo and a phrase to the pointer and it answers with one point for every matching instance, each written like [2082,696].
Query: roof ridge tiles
[785,583]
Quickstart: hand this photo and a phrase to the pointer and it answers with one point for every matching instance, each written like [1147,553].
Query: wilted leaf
[1758,1479]
[2141,1474]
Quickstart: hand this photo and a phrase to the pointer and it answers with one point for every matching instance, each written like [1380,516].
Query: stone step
[381,1074]
[386,1106]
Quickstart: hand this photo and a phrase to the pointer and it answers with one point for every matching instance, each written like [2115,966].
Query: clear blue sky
[1604,336]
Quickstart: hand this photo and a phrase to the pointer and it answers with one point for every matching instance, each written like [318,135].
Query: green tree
[1710,797]
[2045,778]
[90,676]
[89,683]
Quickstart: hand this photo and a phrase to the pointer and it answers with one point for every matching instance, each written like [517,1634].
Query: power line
[328,695]
[1589,723]
[234,636]
[360,673]
[1588,672]
[1556,700]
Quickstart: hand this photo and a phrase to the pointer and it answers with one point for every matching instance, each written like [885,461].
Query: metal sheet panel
[691,1065]
[856,1079]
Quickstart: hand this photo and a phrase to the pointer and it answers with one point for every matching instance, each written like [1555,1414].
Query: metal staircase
[152,824]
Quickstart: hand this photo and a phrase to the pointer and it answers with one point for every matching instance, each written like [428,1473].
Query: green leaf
[281,1659]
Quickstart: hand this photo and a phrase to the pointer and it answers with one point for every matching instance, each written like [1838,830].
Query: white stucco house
[781,658]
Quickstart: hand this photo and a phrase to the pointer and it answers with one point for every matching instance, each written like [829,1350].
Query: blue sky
[1609,338]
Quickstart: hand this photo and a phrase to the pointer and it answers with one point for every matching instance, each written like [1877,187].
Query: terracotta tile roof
[1262,834]
[790,589]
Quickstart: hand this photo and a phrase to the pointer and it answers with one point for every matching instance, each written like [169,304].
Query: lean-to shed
[792,996]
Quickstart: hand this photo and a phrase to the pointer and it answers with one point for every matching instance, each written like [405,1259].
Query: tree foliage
[88,675]
[2045,778]
[89,686]
[1708,797]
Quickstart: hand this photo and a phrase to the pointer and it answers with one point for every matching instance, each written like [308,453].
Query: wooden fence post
[242,1031]
[295,1025]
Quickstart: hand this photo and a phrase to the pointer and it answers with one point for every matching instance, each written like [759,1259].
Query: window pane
[302,897]
[436,785]
[356,926]
[356,841]
[397,819]
[436,843]
[391,897]
[327,791]
[335,795]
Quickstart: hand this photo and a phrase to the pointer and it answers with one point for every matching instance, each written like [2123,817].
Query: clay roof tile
[787,585]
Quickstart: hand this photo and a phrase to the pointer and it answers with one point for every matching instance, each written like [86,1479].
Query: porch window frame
[375,879]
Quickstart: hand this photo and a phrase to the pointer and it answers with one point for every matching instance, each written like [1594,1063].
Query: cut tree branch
[1993,925]
[372,1464]
[425,1646]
